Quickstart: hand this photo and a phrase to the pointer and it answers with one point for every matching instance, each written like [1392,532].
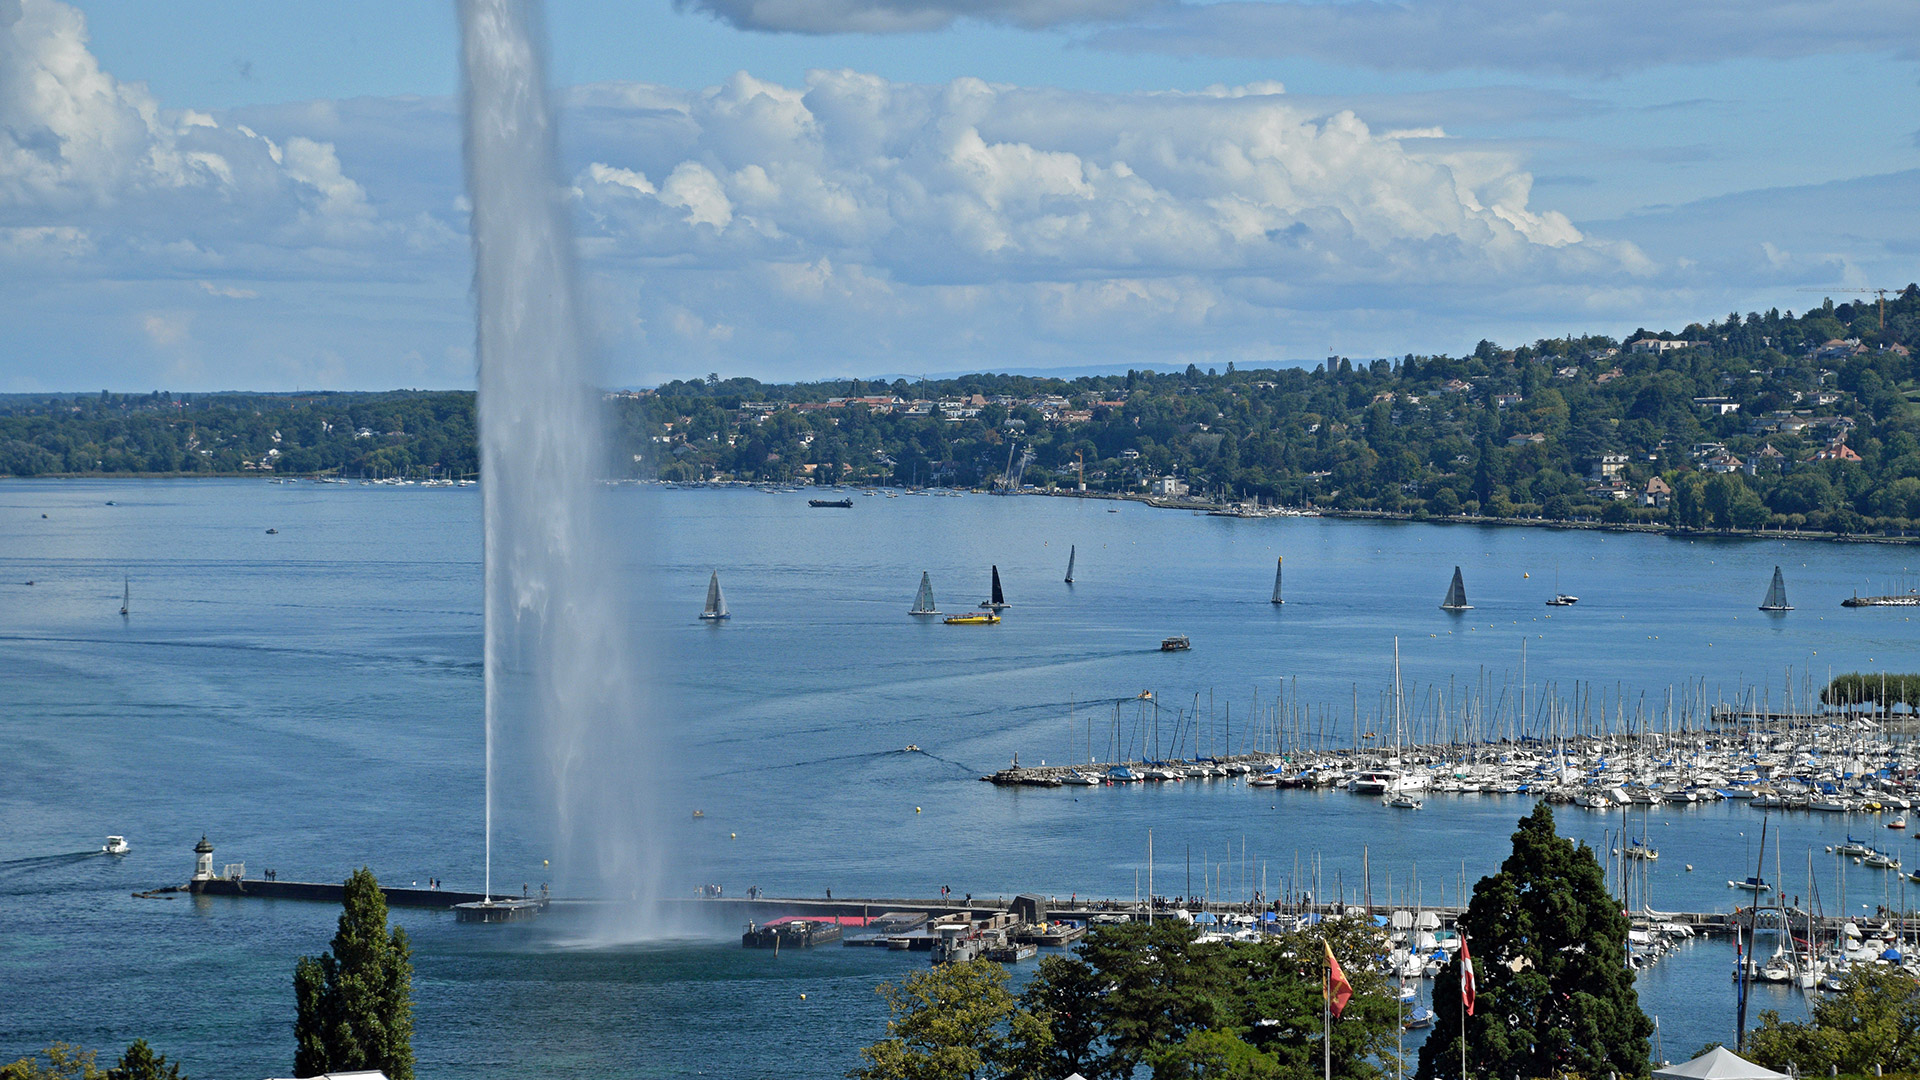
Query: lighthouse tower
[203,860]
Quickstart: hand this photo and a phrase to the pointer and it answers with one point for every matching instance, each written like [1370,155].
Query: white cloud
[1578,37]
[155,188]
[905,16]
[973,182]
[228,291]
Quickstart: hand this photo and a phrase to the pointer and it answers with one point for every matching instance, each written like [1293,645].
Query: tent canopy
[1718,1063]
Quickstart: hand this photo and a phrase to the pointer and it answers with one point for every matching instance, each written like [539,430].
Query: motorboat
[1176,643]
[115,845]
[1404,801]
[1752,884]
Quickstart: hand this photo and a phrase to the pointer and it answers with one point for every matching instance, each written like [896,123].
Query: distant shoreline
[1182,504]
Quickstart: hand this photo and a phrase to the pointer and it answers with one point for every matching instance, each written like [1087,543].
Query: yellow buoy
[733,836]
[916,809]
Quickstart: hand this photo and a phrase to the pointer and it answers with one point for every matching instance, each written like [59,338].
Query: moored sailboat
[716,600]
[923,601]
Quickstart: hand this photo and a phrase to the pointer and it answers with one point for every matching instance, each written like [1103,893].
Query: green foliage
[64,1061]
[1420,435]
[1554,993]
[354,1004]
[1135,995]
[953,1022]
[1880,689]
[1873,1021]
[141,1063]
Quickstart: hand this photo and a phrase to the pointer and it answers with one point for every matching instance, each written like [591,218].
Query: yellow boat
[972,619]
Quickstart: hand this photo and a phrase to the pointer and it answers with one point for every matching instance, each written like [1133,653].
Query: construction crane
[1881,293]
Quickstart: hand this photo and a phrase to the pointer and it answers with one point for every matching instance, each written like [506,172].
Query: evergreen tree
[355,1003]
[141,1063]
[1554,995]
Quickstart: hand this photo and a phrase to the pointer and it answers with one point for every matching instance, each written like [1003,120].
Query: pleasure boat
[115,845]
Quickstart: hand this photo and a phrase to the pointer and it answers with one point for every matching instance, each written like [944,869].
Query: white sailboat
[716,600]
[1776,594]
[923,601]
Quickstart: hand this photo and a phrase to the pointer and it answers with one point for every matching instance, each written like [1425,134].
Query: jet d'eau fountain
[568,741]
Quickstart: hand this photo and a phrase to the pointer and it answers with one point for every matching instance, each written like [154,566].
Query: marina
[233,700]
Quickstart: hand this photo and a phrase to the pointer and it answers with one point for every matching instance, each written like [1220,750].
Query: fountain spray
[567,739]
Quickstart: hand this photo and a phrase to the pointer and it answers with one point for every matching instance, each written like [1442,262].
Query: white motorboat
[115,845]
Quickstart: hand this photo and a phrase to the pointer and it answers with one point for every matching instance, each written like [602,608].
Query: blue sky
[225,195]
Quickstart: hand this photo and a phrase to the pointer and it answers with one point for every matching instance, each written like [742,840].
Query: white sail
[1070,553]
[1776,594]
[1277,562]
[923,602]
[716,600]
[1457,594]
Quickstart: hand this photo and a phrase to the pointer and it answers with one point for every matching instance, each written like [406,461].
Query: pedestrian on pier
[829,894]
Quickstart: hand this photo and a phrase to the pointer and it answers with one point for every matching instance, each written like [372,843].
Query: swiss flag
[1338,990]
[1467,981]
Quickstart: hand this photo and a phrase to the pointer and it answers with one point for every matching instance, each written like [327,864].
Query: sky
[210,194]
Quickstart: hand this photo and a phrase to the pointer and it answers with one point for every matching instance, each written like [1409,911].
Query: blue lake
[311,701]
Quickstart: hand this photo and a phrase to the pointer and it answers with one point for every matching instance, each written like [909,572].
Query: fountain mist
[568,774]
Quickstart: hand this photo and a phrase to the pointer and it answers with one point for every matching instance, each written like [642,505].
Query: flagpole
[1463,1030]
[1326,1019]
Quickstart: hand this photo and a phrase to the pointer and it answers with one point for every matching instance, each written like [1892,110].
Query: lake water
[310,700]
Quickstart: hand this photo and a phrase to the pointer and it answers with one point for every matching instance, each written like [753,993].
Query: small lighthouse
[203,860]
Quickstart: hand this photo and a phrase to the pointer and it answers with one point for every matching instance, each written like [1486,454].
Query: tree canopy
[1554,995]
[354,1004]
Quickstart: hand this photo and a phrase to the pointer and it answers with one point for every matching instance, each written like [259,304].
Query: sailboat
[1070,553]
[716,601]
[126,595]
[923,601]
[1456,595]
[1278,560]
[998,601]
[1776,594]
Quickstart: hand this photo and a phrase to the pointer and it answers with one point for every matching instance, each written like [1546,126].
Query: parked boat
[923,601]
[1563,600]
[1752,885]
[716,601]
[1776,594]
[1456,595]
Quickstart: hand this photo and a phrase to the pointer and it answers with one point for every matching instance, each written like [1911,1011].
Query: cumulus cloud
[905,16]
[1576,37]
[83,152]
[974,183]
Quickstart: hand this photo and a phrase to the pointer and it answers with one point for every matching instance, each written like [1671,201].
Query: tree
[141,1063]
[1554,995]
[1873,1020]
[64,1062]
[355,1003]
[953,1022]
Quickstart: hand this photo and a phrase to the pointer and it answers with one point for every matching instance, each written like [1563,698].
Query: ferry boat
[1176,643]
[833,504]
[972,618]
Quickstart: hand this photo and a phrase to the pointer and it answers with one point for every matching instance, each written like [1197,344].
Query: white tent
[1718,1063]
